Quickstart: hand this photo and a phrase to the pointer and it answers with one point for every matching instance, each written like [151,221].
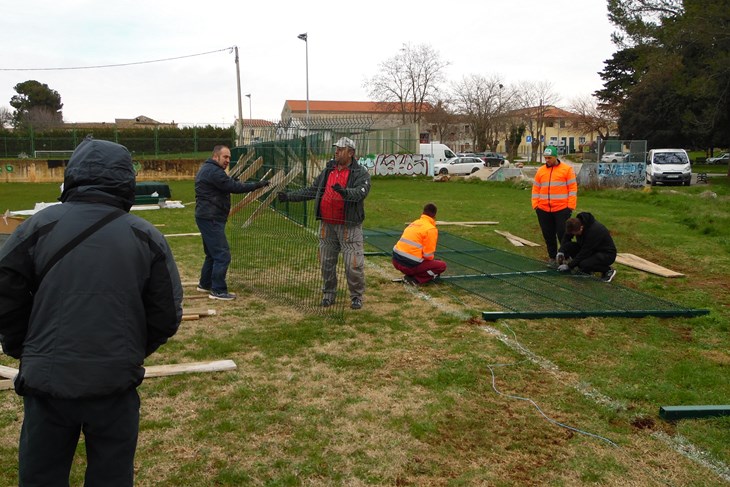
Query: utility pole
[240,107]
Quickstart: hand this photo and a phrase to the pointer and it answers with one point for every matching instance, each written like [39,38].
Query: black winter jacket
[85,329]
[213,188]
[356,190]
[595,239]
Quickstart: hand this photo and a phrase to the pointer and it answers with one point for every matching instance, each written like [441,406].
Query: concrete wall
[38,171]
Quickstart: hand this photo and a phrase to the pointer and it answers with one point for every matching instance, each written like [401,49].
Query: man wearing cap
[554,197]
[339,192]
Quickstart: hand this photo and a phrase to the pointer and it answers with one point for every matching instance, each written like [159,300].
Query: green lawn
[401,393]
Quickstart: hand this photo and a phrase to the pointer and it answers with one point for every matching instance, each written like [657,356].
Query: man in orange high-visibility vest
[414,253]
[554,197]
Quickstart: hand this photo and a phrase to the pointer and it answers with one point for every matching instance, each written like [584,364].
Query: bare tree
[6,117]
[408,82]
[440,118]
[533,100]
[592,117]
[482,101]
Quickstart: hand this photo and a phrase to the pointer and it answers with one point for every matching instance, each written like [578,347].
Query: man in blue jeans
[213,188]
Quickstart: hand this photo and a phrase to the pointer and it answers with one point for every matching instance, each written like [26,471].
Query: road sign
[529,139]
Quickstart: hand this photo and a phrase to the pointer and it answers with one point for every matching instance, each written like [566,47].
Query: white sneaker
[608,275]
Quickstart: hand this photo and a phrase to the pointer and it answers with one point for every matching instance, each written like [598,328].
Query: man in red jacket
[414,253]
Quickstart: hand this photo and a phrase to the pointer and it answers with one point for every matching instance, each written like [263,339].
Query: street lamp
[306,50]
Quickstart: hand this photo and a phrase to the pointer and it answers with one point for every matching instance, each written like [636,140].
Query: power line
[118,65]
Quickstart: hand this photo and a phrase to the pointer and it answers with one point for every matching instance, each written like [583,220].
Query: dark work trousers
[552,225]
[50,433]
[426,271]
[598,262]
[217,255]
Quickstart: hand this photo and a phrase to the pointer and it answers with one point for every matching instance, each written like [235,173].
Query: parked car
[635,157]
[465,154]
[459,165]
[613,157]
[668,166]
[721,159]
[491,159]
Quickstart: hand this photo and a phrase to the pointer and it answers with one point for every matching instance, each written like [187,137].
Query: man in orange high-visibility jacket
[413,255]
[554,197]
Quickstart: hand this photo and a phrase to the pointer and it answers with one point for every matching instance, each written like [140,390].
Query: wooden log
[190,317]
[175,369]
[196,234]
[637,262]
[6,384]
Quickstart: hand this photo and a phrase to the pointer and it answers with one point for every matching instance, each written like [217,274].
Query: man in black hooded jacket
[593,249]
[87,291]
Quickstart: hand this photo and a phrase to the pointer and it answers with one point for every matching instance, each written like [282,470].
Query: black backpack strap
[77,240]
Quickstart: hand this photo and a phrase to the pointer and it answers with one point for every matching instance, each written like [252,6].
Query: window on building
[562,124]
[550,124]
[581,140]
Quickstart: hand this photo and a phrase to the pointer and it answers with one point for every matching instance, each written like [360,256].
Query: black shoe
[356,303]
[410,281]
[222,296]
[608,275]
[327,302]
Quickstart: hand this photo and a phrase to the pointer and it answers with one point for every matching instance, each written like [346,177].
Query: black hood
[586,218]
[100,165]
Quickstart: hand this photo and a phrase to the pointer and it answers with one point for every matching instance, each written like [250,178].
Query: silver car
[459,166]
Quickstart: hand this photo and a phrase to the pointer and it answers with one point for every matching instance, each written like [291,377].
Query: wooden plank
[155,370]
[8,372]
[279,187]
[523,241]
[253,195]
[637,262]
[199,311]
[240,168]
[196,234]
[6,384]
[190,317]
[175,369]
[189,283]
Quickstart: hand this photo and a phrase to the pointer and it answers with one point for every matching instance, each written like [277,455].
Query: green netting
[515,286]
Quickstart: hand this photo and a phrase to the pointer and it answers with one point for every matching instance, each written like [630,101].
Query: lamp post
[250,117]
[306,51]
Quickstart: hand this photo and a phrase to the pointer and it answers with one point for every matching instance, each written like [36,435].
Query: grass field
[402,392]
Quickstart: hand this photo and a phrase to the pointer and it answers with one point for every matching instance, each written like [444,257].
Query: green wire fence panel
[525,288]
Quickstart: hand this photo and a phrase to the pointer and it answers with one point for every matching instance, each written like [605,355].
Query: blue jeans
[217,255]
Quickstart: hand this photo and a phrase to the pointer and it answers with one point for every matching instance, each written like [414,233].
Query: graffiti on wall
[621,174]
[396,164]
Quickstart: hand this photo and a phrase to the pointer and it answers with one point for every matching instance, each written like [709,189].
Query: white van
[668,166]
[438,152]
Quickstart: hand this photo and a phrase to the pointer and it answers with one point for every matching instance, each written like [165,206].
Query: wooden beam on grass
[8,372]
[521,241]
[670,413]
[175,369]
[466,223]
[196,234]
[150,371]
[199,311]
[6,384]
[637,262]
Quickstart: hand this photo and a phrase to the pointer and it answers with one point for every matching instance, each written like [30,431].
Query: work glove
[282,197]
[262,184]
[563,268]
[337,187]
[560,258]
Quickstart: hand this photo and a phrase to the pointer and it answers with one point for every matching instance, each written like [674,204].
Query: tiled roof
[343,106]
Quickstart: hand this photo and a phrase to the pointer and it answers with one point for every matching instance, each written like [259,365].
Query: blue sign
[528,139]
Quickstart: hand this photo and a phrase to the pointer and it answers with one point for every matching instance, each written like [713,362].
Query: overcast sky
[563,41]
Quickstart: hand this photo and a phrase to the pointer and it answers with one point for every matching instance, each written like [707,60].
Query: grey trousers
[347,239]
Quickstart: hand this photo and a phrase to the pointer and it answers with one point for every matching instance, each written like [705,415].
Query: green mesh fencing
[515,286]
